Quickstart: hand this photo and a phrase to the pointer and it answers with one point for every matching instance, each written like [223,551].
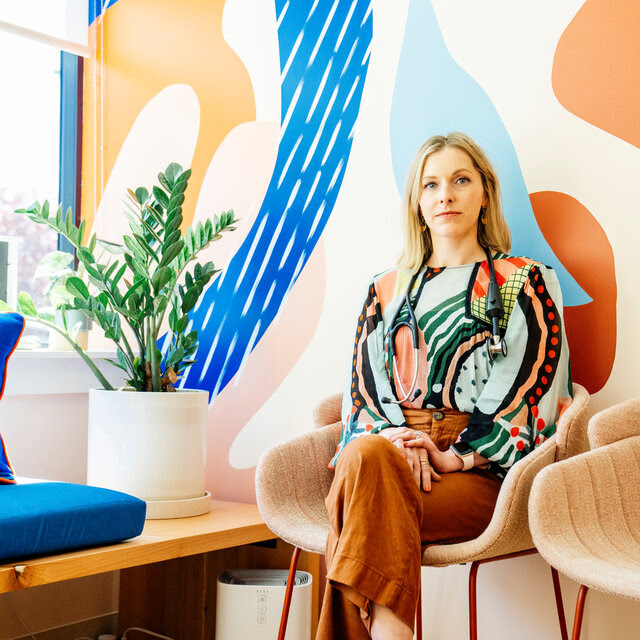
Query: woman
[404,485]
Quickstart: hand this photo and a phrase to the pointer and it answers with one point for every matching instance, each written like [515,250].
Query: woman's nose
[445,195]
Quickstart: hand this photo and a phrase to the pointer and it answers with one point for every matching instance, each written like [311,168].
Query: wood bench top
[228,524]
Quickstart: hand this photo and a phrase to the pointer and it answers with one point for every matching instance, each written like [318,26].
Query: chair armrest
[508,531]
[292,481]
[571,434]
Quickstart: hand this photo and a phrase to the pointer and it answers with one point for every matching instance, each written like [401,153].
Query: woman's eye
[430,185]
[463,180]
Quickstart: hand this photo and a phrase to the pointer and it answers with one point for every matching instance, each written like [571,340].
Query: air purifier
[249,605]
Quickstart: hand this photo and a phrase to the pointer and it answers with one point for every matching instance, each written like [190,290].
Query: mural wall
[304,116]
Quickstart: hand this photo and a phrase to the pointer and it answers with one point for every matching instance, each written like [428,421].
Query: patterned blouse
[514,401]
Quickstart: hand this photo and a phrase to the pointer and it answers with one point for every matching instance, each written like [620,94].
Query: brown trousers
[380,520]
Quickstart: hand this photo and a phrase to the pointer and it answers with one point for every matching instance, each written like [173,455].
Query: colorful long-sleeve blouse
[514,401]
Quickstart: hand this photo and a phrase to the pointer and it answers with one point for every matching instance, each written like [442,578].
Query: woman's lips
[447,214]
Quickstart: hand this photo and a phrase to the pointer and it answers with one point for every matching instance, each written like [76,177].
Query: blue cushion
[52,517]
[11,327]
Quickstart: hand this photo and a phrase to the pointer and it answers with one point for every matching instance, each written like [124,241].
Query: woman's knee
[369,450]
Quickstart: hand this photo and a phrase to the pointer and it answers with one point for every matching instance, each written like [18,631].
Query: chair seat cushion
[52,517]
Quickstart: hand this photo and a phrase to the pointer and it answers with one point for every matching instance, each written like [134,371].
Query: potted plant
[138,292]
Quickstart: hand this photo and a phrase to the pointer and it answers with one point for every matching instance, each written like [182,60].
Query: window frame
[71,92]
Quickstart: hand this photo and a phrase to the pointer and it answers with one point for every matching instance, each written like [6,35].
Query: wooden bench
[169,573]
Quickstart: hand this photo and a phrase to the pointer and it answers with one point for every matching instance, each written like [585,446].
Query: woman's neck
[455,254]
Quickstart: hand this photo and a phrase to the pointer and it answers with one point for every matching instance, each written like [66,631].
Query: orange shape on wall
[596,68]
[142,47]
[582,246]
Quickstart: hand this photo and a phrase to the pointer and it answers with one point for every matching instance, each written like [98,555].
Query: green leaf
[171,238]
[171,252]
[173,224]
[142,195]
[4,306]
[76,287]
[45,210]
[190,298]
[138,285]
[173,319]
[26,306]
[174,357]
[161,197]
[160,278]
[86,256]
[115,363]
[135,248]
[176,201]
[182,324]
[112,247]
[53,263]
[163,181]
[147,247]
[172,173]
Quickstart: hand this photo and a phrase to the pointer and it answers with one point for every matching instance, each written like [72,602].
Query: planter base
[183,508]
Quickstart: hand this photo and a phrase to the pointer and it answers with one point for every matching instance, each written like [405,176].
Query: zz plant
[152,276]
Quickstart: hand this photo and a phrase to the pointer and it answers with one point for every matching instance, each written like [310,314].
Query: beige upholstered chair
[292,481]
[585,512]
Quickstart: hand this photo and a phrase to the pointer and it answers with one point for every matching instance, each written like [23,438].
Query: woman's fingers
[425,469]
[401,433]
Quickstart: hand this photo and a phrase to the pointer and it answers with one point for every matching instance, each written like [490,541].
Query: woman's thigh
[458,507]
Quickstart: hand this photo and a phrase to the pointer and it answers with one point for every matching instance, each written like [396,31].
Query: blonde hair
[494,234]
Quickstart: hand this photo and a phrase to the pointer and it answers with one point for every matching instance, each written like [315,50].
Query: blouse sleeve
[363,411]
[527,390]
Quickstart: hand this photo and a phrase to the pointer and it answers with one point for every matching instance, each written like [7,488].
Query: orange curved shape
[596,68]
[143,46]
[582,246]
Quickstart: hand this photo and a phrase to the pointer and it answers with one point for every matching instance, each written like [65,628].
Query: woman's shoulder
[508,266]
[390,283]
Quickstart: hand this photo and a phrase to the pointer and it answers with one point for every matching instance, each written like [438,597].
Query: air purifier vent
[259,578]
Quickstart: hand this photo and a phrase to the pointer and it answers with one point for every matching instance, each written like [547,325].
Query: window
[39,145]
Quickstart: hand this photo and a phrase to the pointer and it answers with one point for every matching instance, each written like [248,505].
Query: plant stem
[96,372]
[152,357]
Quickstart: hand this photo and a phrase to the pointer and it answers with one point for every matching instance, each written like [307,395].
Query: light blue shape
[434,95]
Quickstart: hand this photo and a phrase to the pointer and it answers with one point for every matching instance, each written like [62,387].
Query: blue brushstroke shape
[238,308]
[98,7]
[434,95]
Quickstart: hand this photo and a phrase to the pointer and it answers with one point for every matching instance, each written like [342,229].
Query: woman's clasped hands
[417,449]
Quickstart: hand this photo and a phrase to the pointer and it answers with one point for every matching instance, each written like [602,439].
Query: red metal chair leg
[473,610]
[559,604]
[419,613]
[577,620]
[288,593]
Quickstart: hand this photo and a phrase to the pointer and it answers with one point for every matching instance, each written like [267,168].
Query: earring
[483,216]
[423,224]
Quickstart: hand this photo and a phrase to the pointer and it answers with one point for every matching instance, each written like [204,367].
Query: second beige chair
[292,481]
[585,512]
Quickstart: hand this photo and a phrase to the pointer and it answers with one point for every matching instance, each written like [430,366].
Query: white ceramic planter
[151,445]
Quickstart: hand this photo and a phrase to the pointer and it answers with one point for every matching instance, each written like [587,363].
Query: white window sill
[45,371]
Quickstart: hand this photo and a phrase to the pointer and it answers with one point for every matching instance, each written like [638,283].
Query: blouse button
[438,415]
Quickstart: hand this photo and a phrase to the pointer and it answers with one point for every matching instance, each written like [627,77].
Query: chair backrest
[615,423]
[328,411]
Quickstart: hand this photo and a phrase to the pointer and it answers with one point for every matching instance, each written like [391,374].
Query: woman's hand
[417,457]
[442,461]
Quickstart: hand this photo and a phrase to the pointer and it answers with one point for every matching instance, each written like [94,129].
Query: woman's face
[452,195]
